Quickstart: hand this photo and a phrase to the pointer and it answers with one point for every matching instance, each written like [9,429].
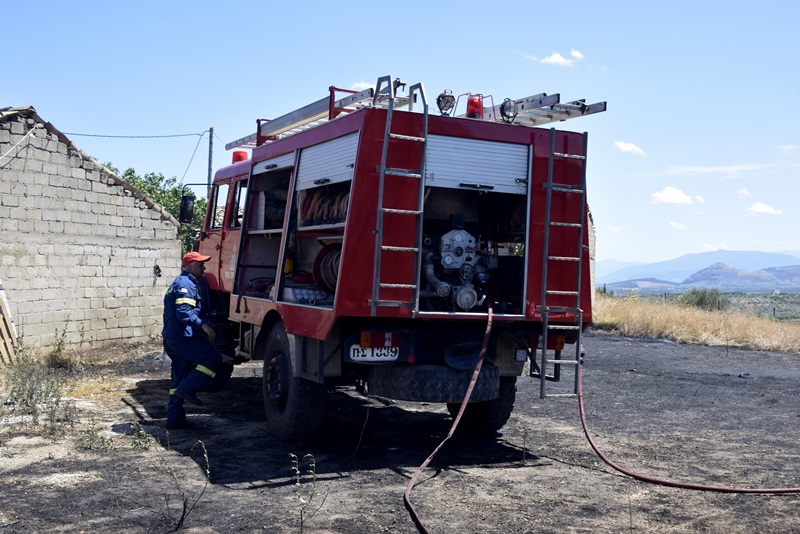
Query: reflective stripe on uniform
[172,391]
[185,300]
[205,370]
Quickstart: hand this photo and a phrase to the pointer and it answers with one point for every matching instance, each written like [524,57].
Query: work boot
[189,397]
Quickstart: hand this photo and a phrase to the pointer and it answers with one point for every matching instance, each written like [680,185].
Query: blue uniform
[195,360]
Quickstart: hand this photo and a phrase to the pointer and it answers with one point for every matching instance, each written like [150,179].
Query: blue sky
[699,149]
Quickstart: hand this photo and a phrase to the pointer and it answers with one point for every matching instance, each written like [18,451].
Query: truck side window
[238,207]
[220,200]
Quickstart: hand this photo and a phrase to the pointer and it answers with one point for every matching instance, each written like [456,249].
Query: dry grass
[635,317]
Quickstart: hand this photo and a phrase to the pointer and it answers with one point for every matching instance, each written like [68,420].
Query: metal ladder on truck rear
[388,93]
[575,324]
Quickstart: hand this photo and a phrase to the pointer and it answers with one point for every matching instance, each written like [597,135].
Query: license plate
[374,354]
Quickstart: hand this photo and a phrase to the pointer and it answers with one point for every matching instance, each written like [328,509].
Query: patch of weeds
[58,357]
[140,439]
[305,486]
[33,394]
[93,440]
[175,520]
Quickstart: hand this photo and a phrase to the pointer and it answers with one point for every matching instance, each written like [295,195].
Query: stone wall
[83,255]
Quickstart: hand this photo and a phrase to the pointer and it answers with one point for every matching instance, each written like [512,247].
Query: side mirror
[187,209]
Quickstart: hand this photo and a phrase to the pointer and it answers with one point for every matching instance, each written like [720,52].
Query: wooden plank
[8,337]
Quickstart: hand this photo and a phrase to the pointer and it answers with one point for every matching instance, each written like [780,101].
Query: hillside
[676,271]
[785,279]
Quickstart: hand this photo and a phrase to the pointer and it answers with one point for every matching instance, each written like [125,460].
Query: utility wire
[200,137]
[193,154]
[136,136]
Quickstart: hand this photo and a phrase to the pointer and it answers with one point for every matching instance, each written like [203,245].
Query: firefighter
[188,340]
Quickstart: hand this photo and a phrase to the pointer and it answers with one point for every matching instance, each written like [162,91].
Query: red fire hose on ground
[652,480]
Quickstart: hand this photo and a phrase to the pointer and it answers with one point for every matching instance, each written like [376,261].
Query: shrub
[706,299]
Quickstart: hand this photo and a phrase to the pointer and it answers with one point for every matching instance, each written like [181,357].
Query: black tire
[482,418]
[432,383]
[293,405]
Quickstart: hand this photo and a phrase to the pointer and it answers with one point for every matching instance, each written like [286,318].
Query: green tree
[167,192]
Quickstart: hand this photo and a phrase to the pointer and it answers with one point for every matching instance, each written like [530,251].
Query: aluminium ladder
[381,246]
[573,292]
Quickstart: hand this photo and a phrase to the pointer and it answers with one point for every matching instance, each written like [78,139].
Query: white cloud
[616,229]
[557,59]
[629,148]
[759,208]
[699,200]
[360,86]
[677,225]
[672,195]
[554,59]
[743,193]
[788,148]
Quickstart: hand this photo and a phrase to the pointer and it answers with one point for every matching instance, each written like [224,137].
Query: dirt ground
[703,415]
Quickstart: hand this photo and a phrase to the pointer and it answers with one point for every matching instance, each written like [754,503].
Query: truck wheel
[432,383]
[481,418]
[293,405]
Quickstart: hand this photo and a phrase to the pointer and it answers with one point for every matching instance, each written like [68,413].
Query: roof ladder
[396,140]
[570,318]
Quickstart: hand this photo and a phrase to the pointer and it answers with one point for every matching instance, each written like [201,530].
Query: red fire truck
[365,241]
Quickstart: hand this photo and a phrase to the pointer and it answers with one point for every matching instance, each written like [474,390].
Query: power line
[135,136]
[193,154]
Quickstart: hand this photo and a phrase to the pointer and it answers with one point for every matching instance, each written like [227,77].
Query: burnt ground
[703,415]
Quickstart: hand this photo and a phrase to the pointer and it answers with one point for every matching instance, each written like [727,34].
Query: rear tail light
[379,339]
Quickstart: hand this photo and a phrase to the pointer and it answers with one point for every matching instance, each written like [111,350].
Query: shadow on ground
[359,433]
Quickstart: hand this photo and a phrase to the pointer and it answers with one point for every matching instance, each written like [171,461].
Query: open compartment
[473,249]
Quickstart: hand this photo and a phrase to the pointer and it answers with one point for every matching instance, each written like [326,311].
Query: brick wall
[79,248]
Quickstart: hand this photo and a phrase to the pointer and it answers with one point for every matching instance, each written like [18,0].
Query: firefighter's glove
[228,359]
[209,331]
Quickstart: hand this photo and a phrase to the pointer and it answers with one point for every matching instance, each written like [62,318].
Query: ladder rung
[408,173]
[563,258]
[566,224]
[573,293]
[570,156]
[407,137]
[567,188]
[401,212]
[565,362]
[563,327]
[392,303]
[400,249]
[558,309]
[399,286]
[561,395]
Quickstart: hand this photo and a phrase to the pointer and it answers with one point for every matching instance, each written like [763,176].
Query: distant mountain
[679,269]
[785,279]
[603,268]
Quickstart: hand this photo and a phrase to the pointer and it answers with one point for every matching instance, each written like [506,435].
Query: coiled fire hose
[413,480]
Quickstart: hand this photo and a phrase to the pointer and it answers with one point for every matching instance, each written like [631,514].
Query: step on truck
[366,242]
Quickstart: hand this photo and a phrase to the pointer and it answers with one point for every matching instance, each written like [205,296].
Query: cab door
[211,240]
[232,234]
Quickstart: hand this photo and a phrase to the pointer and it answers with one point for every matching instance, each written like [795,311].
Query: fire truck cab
[367,241]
